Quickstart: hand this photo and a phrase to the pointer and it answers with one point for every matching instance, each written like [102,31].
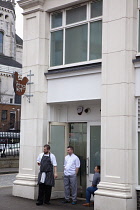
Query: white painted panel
[85,87]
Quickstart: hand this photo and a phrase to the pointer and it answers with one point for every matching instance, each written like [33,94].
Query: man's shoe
[39,203]
[48,203]
[66,201]
[73,202]
[86,204]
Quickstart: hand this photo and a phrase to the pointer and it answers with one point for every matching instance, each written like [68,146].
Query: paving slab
[10,202]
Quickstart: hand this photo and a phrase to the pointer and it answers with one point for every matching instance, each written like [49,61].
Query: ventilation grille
[139,113]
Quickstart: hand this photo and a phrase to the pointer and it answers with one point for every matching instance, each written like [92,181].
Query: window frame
[72,25]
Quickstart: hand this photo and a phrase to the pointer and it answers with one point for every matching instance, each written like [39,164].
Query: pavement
[8,170]
[10,202]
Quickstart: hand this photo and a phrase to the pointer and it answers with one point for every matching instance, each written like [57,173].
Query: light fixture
[79,110]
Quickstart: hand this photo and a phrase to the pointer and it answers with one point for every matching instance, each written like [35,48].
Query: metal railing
[9,144]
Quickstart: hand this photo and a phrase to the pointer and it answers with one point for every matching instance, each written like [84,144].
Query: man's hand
[55,175]
[38,164]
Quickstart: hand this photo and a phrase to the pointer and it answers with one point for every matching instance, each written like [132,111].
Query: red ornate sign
[19,85]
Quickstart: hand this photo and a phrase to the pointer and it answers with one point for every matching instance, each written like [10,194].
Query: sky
[19,21]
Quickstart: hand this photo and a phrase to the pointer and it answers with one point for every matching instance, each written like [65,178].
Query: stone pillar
[33,114]
[116,190]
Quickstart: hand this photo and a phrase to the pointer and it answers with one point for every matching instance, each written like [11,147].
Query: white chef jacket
[53,161]
[70,164]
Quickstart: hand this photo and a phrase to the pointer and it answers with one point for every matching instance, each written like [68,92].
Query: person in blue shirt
[93,188]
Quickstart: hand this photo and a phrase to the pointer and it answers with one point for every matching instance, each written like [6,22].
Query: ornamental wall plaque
[19,85]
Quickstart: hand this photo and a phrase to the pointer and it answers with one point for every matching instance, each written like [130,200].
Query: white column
[33,114]
[118,138]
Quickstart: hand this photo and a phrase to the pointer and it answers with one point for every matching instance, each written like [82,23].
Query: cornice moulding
[26,4]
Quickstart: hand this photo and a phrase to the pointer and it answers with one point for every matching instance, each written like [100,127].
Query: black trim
[9,61]
[75,68]
[136,60]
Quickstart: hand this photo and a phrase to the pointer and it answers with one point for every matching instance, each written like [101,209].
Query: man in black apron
[46,176]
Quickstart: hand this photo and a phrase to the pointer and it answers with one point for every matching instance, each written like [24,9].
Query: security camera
[79,110]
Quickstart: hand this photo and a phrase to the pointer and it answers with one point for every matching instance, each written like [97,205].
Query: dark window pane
[56,20]
[96,8]
[76,44]
[17,99]
[76,15]
[57,48]
[1,42]
[96,40]
[4,115]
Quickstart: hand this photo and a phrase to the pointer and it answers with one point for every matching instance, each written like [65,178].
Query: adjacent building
[84,59]
[10,61]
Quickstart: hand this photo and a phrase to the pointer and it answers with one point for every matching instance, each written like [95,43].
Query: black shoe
[66,201]
[48,203]
[38,203]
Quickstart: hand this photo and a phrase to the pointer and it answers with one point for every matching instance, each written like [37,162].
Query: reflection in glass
[57,48]
[96,9]
[56,20]
[76,15]
[58,145]
[96,40]
[76,44]
[95,136]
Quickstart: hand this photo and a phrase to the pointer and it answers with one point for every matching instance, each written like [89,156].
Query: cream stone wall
[118,117]
[118,114]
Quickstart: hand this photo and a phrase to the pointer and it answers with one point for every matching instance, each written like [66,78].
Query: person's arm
[77,169]
[55,171]
[53,160]
[95,180]
[77,165]
[38,160]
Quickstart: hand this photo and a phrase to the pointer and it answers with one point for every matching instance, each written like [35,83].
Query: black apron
[47,167]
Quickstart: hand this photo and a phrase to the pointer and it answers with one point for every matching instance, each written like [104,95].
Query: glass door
[93,149]
[78,139]
[58,144]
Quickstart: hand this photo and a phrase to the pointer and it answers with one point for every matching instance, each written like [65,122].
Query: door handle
[87,166]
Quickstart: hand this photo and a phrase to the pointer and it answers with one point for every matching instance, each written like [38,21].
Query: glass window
[1,42]
[95,142]
[76,15]
[139,33]
[96,8]
[57,144]
[80,38]
[56,20]
[76,44]
[57,48]
[95,40]
[4,115]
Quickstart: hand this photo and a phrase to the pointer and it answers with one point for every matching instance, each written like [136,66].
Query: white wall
[74,87]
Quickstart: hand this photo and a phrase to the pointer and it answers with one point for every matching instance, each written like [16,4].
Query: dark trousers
[44,194]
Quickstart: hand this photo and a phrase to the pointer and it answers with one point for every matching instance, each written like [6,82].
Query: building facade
[10,61]
[84,56]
